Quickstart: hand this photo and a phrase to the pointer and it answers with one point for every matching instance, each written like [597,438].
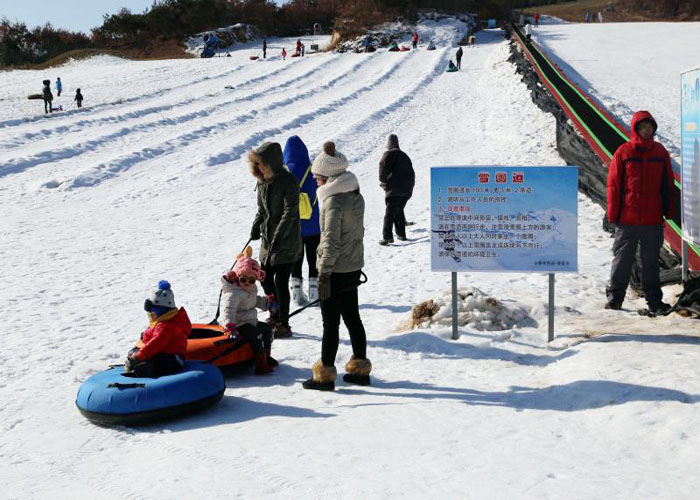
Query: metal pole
[455,334]
[685,260]
[551,308]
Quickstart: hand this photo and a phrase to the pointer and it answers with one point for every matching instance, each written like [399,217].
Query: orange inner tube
[210,343]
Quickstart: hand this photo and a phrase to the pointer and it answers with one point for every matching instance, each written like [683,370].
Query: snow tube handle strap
[117,385]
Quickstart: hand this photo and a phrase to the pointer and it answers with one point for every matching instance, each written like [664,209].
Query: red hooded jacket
[640,180]
[167,337]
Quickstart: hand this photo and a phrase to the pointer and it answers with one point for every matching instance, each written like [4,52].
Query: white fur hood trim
[344,183]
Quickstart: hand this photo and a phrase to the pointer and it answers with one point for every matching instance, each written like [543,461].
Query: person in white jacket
[240,300]
[528,32]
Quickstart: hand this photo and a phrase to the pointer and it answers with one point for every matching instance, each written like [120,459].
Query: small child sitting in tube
[163,344]
[240,299]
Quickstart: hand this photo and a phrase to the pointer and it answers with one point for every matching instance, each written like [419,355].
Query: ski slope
[150,181]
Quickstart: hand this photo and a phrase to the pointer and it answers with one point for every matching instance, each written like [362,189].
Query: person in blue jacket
[59,86]
[297,161]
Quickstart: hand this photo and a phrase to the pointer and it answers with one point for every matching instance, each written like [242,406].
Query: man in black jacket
[397,178]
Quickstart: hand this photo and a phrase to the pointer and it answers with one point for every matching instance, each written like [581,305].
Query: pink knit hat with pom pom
[246,265]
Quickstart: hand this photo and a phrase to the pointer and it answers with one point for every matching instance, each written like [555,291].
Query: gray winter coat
[341,249]
[277,220]
[239,304]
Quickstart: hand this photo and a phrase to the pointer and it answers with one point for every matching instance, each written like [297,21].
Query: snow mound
[475,309]
[227,37]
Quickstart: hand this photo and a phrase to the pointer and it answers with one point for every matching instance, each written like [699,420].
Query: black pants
[342,303]
[627,238]
[159,365]
[277,282]
[394,216]
[415,45]
[80,103]
[259,336]
[48,106]
[309,246]
[459,63]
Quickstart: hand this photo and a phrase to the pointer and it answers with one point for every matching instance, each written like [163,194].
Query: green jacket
[341,249]
[277,220]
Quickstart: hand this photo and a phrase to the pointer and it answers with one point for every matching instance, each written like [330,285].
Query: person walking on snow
[284,54]
[303,50]
[340,261]
[296,160]
[47,96]
[414,40]
[264,47]
[397,178]
[639,196]
[240,299]
[59,87]
[298,51]
[276,224]
[78,98]
[537,20]
[528,32]
[459,57]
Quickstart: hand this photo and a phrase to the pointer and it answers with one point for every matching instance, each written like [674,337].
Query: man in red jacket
[640,194]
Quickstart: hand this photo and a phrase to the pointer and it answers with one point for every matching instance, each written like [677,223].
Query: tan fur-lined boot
[358,371]
[322,377]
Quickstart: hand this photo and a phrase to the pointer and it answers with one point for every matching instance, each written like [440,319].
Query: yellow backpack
[305,206]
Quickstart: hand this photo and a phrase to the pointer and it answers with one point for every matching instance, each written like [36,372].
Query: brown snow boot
[271,362]
[261,366]
[322,377]
[358,371]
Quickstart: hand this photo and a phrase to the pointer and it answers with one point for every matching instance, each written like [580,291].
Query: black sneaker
[401,238]
[385,242]
[410,223]
[615,306]
[660,309]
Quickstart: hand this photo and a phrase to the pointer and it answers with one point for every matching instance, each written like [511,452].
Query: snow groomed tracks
[600,130]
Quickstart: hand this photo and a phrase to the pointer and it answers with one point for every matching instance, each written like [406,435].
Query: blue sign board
[498,218]
[690,154]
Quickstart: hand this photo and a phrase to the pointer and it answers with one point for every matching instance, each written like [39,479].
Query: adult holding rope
[277,225]
[340,260]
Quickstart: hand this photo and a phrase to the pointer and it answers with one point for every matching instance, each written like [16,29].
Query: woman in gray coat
[340,257]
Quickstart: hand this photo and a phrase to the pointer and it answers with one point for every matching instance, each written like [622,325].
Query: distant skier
[284,54]
[48,97]
[537,20]
[459,57]
[264,48]
[414,40]
[528,32]
[59,86]
[397,178]
[79,98]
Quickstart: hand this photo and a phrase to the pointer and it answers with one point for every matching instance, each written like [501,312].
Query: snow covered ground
[149,181]
[628,67]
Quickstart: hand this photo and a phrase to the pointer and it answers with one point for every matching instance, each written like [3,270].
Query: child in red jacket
[163,344]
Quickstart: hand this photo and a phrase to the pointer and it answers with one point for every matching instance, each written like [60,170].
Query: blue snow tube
[111,397]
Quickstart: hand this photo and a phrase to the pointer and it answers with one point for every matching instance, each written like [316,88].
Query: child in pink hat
[240,299]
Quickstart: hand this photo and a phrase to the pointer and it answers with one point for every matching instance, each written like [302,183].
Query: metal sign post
[550,337]
[455,333]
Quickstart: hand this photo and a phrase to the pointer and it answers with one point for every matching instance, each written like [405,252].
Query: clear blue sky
[73,15]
